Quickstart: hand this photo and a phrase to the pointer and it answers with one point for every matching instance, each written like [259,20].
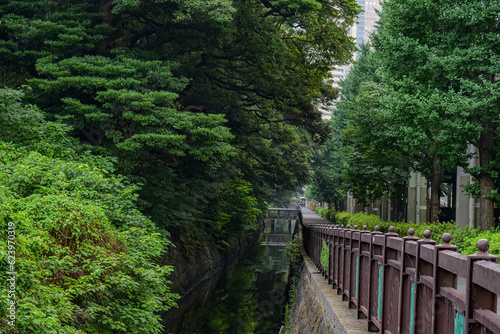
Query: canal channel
[248,296]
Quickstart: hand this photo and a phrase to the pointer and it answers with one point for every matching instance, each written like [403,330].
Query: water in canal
[249,295]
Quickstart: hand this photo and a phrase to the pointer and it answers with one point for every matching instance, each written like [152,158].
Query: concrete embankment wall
[319,310]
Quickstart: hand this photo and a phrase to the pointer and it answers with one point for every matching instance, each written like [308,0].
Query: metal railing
[408,285]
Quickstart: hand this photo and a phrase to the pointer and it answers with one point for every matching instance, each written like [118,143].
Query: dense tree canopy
[206,107]
[443,63]
[208,90]
[358,157]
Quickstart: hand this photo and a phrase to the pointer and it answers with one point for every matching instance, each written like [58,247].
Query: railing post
[363,273]
[389,308]
[316,241]
[325,238]
[346,293]
[330,254]
[375,280]
[407,285]
[477,297]
[423,286]
[354,267]
[442,279]
[336,257]
[341,251]
[318,245]
[316,237]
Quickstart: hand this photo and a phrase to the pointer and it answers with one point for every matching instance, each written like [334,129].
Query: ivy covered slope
[86,258]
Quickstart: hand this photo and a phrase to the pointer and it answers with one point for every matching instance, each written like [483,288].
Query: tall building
[361,31]
[366,21]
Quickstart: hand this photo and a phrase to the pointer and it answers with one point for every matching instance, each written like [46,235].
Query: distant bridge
[283,213]
[280,226]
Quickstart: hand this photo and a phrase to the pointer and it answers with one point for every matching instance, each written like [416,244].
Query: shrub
[469,245]
[290,306]
[342,218]
[461,237]
[465,238]
[87,260]
[320,211]
[361,219]
[325,213]
[331,215]
[292,251]
[437,229]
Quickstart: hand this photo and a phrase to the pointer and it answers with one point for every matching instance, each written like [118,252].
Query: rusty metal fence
[408,285]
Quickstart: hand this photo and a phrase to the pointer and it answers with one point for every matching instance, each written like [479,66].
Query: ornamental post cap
[446,238]
[483,245]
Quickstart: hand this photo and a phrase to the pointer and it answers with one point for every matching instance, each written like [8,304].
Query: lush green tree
[328,178]
[187,94]
[356,157]
[439,59]
[208,106]
[375,167]
[87,261]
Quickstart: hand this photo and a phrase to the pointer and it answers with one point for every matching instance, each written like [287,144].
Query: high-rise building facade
[366,21]
[361,32]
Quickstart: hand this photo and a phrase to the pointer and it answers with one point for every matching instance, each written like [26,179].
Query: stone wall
[319,310]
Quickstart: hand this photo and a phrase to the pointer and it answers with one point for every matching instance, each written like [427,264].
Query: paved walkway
[312,218]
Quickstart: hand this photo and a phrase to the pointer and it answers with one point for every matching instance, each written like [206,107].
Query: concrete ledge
[318,308]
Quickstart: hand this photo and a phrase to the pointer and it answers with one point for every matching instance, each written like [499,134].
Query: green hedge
[326,213]
[465,238]
[79,256]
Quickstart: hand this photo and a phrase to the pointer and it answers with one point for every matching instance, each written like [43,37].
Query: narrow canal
[249,295]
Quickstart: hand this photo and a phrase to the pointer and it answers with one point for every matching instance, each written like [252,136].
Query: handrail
[408,285]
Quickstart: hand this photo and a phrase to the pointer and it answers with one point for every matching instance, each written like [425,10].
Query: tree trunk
[486,216]
[395,214]
[486,181]
[435,188]
[399,205]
